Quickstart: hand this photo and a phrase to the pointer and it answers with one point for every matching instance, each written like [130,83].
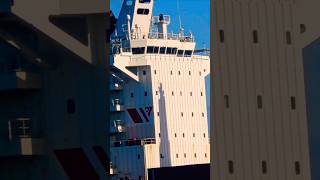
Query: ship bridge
[138,32]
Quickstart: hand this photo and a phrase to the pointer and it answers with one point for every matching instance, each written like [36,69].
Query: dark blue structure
[311,62]
[191,172]
[5,5]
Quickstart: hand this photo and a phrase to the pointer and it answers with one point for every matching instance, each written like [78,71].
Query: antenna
[178,8]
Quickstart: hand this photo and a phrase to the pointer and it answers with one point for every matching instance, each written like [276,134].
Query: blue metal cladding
[5,6]
[311,62]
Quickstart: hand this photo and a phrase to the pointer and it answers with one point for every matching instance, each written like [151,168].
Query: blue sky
[195,16]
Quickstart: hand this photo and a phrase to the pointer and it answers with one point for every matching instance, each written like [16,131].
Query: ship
[158,112]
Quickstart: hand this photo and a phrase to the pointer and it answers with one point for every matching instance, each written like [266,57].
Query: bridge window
[180,53]
[152,49]
[139,50]
[162,50]
[187,53]
[144,1]
[143,11]
[171,50]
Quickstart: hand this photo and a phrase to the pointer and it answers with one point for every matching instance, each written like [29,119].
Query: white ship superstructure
[158,106]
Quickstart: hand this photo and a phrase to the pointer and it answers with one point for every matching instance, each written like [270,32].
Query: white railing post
[9,130]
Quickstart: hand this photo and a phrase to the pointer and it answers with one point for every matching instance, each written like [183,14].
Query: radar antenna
[181,30]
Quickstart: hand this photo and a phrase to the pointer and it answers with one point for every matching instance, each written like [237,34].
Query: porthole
[129,3]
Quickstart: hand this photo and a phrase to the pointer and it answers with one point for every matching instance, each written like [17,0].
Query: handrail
[20,127]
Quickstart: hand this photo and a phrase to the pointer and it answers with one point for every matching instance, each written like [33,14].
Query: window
[143,11]
[194,134]
[259,102]
[201,94]
[204,70]
[138,50]
[199,73]
[179,72]
[190,93]
[190,73]
[131,95]
[145,93]
[159,135]
[195,155]
[174,51]
[221,35]
[185,155]
[288,37]
[226,101]
[172,93]
[231,168]
[303,28]
[144,1]
[71,106]
[264,167]
[171,72]
[156,92]
[255,36]
[144,72]
[204,135]
[162,50]
[180,53]
[156,50]
[177,155]
[140,178]
[138,156]
[152,50]
[202,114]
[155,72]
[169,50]
[180,93]
[293,102]
[158,113]
[183,135]
[297,167]
[181,114]
[187,53]
[175,135]
[192,114]
[205,155]
[161,156]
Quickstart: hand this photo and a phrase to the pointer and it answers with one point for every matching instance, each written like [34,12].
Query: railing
[19,128]
[157,35]
[117,126]
[116,105]
[113,169]
[149,141]
[135,142]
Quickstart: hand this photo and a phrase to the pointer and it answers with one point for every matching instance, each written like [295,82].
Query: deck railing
[19,128]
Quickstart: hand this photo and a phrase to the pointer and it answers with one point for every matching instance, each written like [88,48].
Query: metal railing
[157,35]
[135,142]
[19,128]
[117,126]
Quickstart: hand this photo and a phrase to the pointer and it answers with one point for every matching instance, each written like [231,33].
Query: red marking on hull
[76,164]
[135,116]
